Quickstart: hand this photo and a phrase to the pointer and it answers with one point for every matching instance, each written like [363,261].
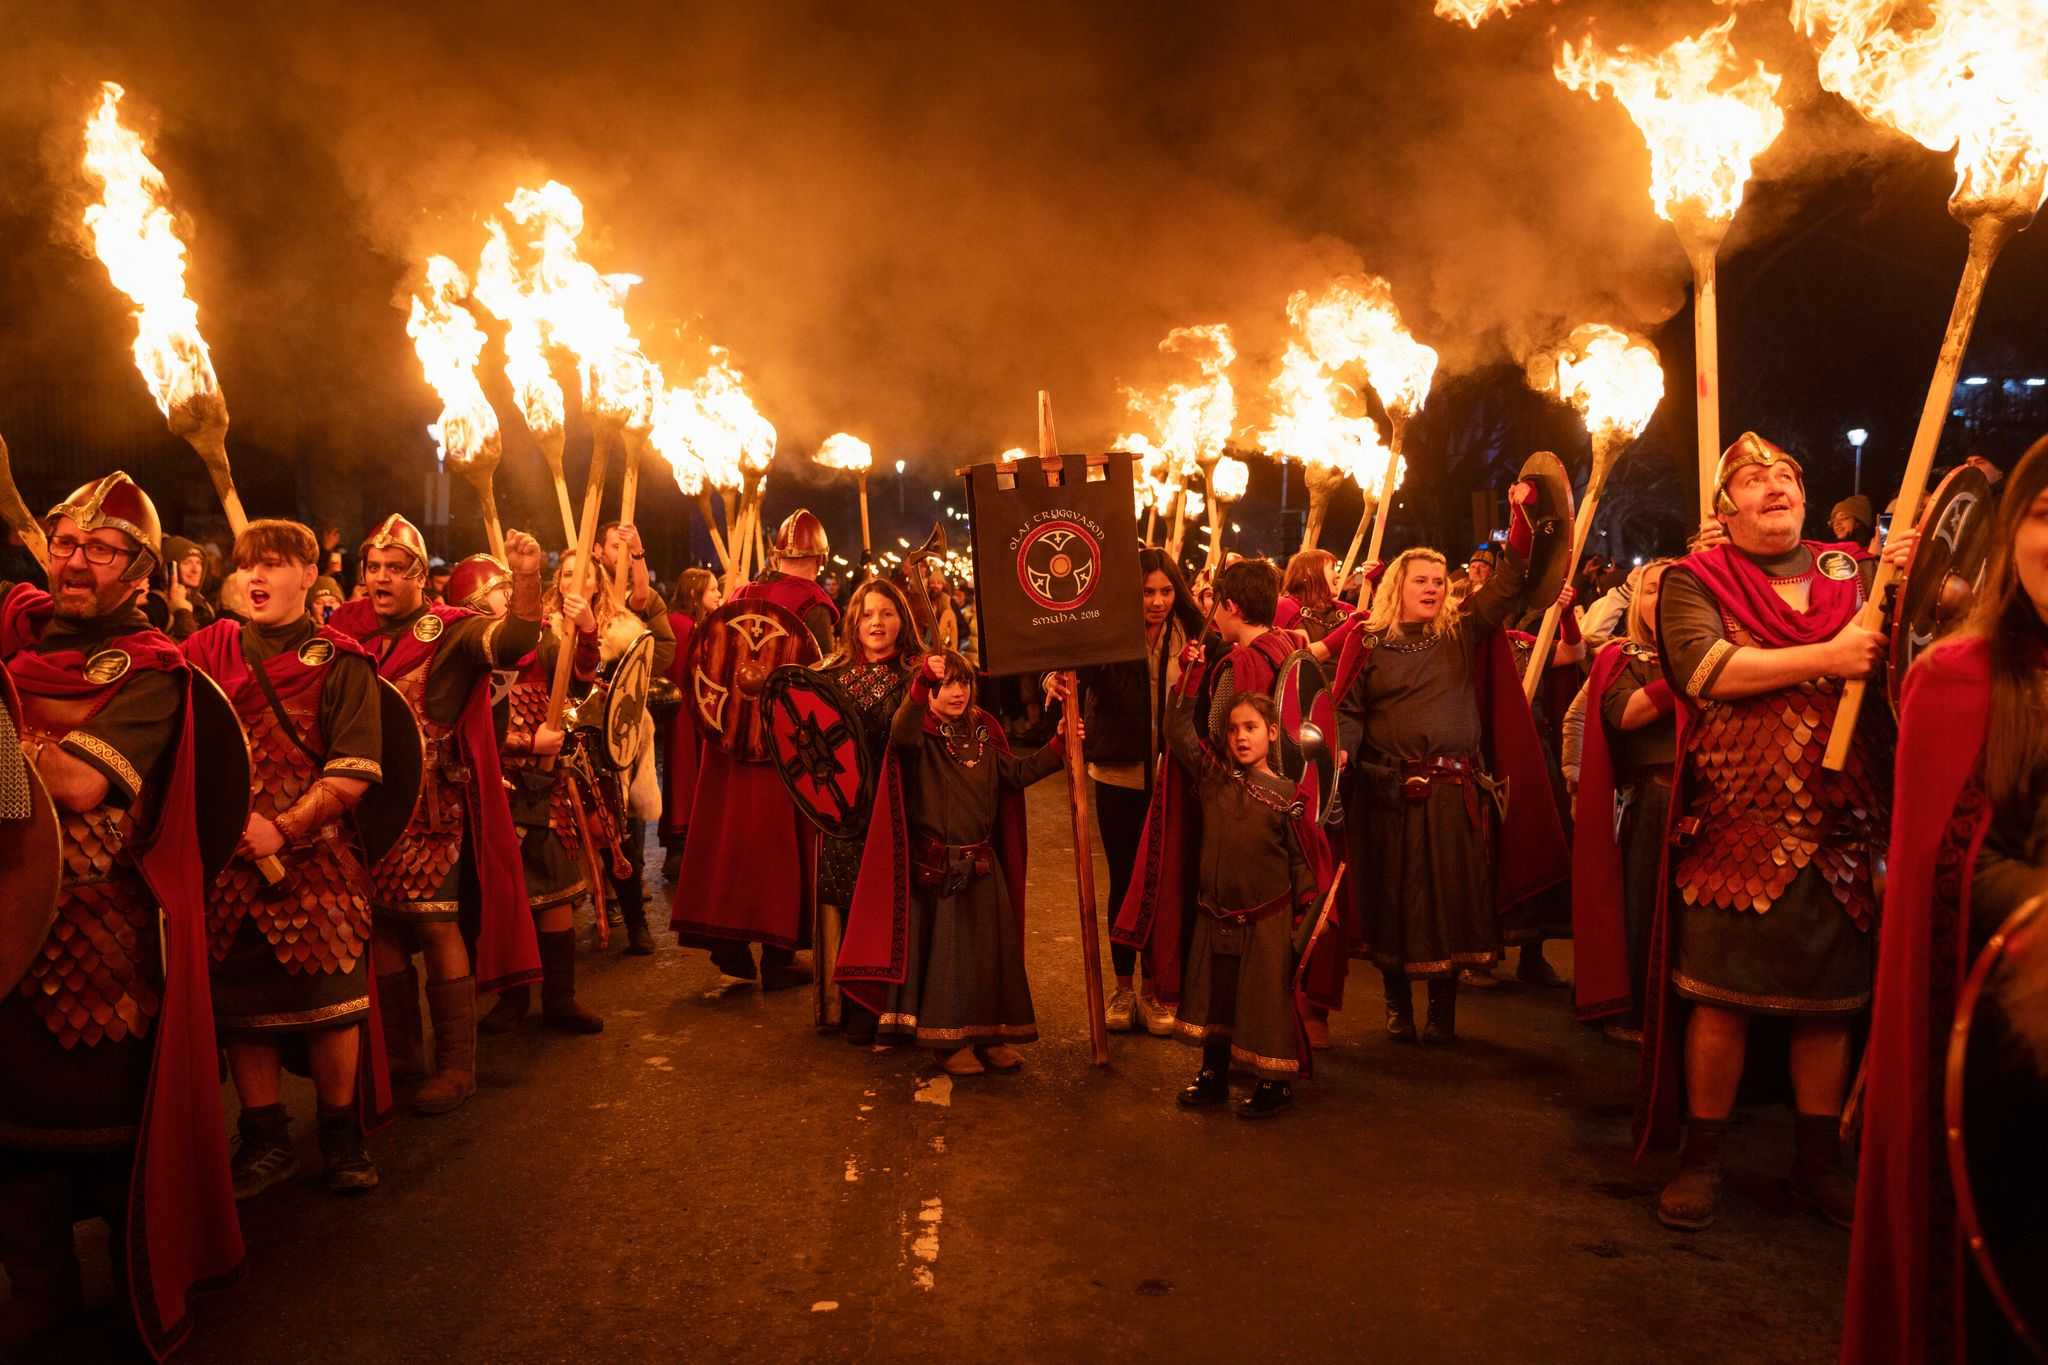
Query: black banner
[1056,564]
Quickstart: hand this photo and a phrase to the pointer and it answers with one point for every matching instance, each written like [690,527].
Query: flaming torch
[135,235]
[1193,420]
[449,343]
[15,513]
[1616,382]
[1224,479]
[667,439]
[1703,142]
[850,454]
[502,289]
[1971,75]
[1473,13]
[717,422]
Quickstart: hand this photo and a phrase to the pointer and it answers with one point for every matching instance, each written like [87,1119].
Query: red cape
[216,650]
[1744,594]
[749,865]
[685,740]
[183,1232]
[1923,955]
[1153,916]
[507,952]
[1600,985]
[874,954]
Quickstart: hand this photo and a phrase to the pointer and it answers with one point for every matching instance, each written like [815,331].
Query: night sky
[905,219]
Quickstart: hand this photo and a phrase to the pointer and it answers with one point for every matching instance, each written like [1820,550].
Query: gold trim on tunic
[362,767]
[550,899]
[288,1018]
[1023,1032]
[1709,661]
[1695,989]
[1262,1064]
[124,771]
[403,908]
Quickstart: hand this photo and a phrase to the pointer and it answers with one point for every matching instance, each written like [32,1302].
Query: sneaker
[1122,1011]
[258,1165]
[1158,1018]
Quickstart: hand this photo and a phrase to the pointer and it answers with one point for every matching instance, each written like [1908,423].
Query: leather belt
[1421,776]
[948,869]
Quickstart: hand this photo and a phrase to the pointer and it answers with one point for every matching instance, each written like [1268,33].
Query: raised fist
[522,553]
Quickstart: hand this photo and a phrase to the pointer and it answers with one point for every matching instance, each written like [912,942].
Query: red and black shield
[732,653]
[1945,569]
[819,746]
[1995,1103]
[221,774]
[1308,729]
[386,808]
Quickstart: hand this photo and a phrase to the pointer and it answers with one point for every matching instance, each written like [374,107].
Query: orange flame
[509,295]
[449,344]
[1476,12]
[1968,75]
[1320,419]
[1194,421]
[1703,139]
[1615,380]
[1229,478]
[135,235]
[716,424]
[846,453]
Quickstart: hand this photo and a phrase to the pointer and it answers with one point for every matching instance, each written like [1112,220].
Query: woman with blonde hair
[1432,727]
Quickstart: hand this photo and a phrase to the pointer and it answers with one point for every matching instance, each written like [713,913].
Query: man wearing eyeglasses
[109,1103]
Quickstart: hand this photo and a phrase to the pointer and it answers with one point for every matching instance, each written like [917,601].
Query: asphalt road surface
[710,1180]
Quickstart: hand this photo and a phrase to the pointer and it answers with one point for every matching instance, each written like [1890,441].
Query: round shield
[818,744]
[1995,1105]
[1550,552]
[625,704]
[31,853]
[1945,568]
[1308,727]
[386,808]
[220,776]
[732,652]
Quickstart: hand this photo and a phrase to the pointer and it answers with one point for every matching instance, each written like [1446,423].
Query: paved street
[709,1180]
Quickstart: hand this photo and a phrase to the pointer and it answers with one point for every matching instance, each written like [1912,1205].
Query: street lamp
[1857,436]
[900,513]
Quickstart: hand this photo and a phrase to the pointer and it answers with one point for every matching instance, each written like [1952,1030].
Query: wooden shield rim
[779,684]
[1971,1224]
[380,836]
[219,815]
[1548,472]
[640,653]
[700,640]
[40,848]
[1952,486]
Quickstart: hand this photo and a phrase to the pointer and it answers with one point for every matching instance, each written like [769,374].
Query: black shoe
[639,941]
[344,1160]
[1211,1088]
[1442,1024]
[1400,1006]
[263,1153]
[1267,1099]
[1401,1024]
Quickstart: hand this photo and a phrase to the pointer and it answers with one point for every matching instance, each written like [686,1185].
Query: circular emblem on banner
[1057,565]
[106,666]
[1836,564]
[428,627]
[315,652]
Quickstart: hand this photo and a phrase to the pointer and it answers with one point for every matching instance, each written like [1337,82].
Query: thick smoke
[902,219]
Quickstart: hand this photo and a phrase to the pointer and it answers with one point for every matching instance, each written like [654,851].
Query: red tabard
[183,1233]
[750,863]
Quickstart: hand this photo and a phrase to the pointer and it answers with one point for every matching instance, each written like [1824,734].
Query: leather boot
[263,1150]
[639,941]
[37,1251]
[514,1003]
[558,1007]
[398,1008]
[1818,1181]
[453,1006]
[1688,1202]
[1212,1082]
[1267,1099]
[344,1158]
[1400,1006]
[1442,1024]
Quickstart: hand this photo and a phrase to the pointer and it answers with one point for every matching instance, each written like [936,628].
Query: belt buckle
[1416,787]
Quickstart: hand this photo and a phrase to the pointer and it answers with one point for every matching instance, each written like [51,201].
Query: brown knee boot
[1689,1201]
[558,1007]
[1818,1181]
[453,1006]
[398,1011]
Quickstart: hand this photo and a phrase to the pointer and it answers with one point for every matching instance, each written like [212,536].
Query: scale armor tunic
[541,806]
[875,691]
[1773,857]
[316,925]
[75,1041]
